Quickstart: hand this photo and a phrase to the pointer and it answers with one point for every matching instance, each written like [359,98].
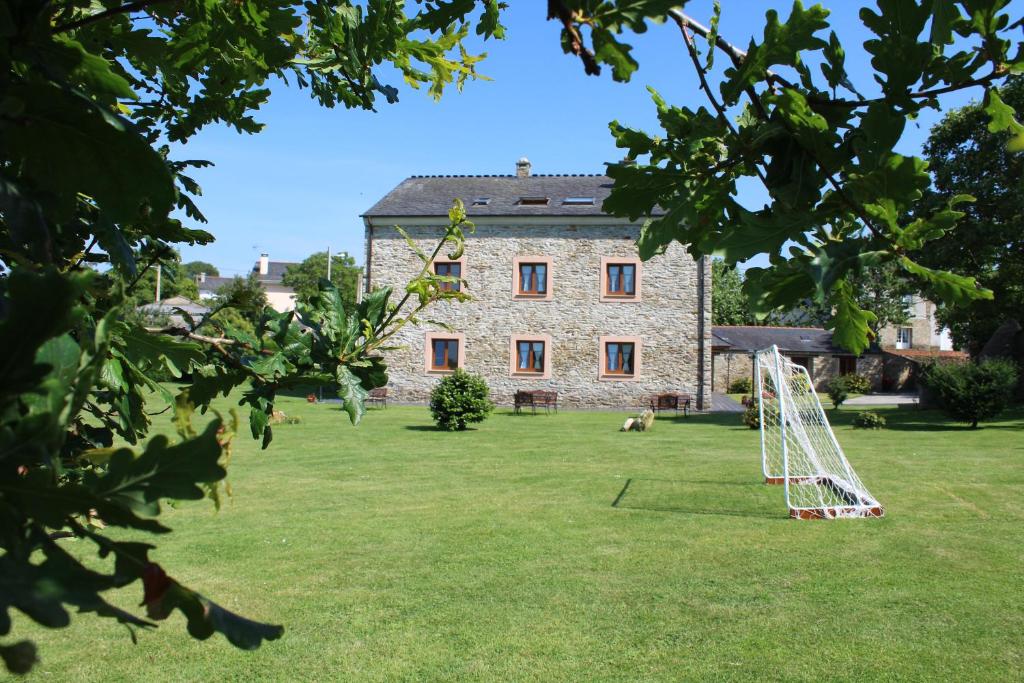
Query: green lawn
[395,552]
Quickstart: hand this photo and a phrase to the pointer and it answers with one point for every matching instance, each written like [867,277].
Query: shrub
[838,391]
[857,384]
[752,416]
[868,419]
[743,385]
[460,399]
[972,392]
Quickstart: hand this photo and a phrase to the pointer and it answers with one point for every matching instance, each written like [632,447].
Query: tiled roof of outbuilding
[788,339]
[433,195]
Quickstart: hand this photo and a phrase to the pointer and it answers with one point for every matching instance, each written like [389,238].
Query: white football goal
[799,450]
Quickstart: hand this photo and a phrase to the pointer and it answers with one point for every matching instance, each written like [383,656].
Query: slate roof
[789,339]
[433,195]
[275,270]
[212,283]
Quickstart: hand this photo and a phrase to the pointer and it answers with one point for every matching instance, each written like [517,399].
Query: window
[802,361]
[529,356]
[578,201]
[444,351]
[481,201]
[531,277]
[533,201]
[847,365]
[449,269]
[620,279]
[904,337]
[444,354]
[620,358]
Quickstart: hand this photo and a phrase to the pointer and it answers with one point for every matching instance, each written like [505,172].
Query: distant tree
[728,303]
[878,289]
[303,277]
[193,268]
[883,290]
[243,294]
[988,244]
[174,280]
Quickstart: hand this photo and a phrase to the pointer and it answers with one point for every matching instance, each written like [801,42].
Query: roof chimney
[523,168]
[264,264]
[201,277]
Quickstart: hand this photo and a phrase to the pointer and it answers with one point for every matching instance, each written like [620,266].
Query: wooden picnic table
[547,400]
[671,401]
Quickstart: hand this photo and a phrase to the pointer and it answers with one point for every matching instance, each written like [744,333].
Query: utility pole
[328,264]
[157,283]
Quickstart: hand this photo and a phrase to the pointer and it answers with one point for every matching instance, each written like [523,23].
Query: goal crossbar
[798,448]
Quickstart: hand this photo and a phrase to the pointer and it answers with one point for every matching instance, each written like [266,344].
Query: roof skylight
[578,201]
[533,201]
[481,201]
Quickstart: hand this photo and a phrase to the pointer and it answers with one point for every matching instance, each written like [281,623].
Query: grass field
[395,552]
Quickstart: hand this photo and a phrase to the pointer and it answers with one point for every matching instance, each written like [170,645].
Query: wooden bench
[547,400]
[378,396]
[676,402]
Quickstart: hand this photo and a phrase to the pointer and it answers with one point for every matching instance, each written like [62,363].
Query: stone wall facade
[925,334]
[730,366]
[733,365]
[664,318]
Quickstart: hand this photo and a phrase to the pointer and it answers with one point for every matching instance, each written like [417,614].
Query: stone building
[560,299]
[920,332]
[811,347]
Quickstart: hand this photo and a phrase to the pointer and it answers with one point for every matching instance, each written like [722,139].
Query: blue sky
[301,185]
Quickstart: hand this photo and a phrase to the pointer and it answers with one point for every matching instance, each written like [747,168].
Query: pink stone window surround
[446,342]
[620,358]
[532,278]
[616,282]
[456,267]
[523,356]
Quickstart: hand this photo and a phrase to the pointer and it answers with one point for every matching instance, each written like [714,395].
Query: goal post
[798,448]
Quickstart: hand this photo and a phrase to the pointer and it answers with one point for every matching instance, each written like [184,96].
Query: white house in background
[920,332]
[269,273]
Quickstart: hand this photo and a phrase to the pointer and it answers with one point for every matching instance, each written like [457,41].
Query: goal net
[799,450]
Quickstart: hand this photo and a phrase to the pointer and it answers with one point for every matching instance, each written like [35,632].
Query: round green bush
[869,419]
[857,384]
[460,399]
[972,392]
[838,391]
[743,385]
[752,416]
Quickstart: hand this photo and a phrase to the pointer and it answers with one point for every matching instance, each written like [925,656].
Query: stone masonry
[665,317]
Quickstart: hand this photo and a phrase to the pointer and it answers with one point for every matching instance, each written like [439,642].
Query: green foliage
[743,385]
[752,415]
[303,277]
[868,419]
[460,399]
[728,304]
[988,244]
[244,295]
[972,392]
[857,384]
[174,280]
[195,268]
[841,199]
[91,95]
[838,391]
